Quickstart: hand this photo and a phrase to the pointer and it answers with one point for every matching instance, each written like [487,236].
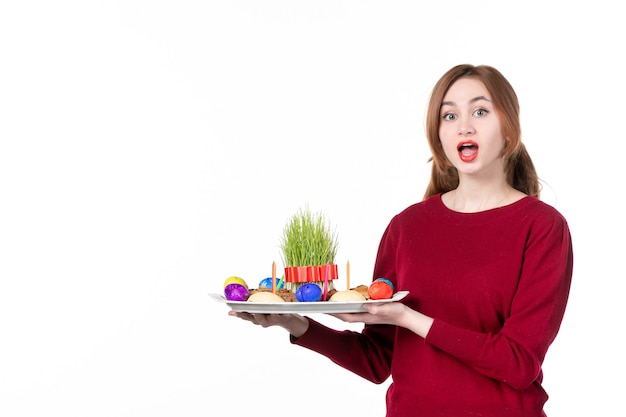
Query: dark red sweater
[496,282]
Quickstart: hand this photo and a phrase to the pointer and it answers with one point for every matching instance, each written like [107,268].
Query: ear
[506,144]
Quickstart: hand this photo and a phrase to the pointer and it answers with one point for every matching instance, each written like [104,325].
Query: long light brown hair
[518,167]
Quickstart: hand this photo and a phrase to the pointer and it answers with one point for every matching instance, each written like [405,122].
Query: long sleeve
[515,353]
[496,284]
[367,355]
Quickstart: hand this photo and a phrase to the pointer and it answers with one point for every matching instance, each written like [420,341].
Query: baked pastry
[348,295]
[288,296]
[285,294]
[265,297]
[364,290]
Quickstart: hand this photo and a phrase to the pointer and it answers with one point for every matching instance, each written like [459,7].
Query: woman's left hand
[386,313]
[395,313]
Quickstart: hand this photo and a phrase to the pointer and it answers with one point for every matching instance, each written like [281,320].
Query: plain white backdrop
[151,149]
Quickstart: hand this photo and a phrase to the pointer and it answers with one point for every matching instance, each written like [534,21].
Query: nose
[466,129]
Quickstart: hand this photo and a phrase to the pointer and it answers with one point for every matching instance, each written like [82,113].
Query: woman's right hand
[295,324]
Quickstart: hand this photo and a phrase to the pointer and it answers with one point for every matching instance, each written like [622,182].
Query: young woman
[488,266]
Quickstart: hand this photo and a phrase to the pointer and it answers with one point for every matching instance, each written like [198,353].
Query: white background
[151,149]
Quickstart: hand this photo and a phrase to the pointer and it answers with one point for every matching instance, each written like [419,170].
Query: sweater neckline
[489,215]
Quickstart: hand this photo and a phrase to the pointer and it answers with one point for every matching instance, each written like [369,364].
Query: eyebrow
[474,100]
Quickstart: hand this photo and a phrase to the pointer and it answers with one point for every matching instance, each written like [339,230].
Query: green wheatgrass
[308,240]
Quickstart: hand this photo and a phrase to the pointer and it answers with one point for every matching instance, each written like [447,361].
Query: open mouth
[468,150]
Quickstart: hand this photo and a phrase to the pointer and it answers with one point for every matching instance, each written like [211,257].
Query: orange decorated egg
[380,289]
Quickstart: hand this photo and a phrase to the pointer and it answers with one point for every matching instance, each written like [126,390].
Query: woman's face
[469,129]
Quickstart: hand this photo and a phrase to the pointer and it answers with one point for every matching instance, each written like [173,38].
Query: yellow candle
[348,275]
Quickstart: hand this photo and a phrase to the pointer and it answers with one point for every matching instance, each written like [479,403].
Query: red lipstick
[468,150]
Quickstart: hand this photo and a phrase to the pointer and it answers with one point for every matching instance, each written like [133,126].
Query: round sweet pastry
[348,295]
[288,296]
[364,290]
[265,297]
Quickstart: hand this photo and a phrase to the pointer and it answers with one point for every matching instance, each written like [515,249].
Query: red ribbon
[311,273]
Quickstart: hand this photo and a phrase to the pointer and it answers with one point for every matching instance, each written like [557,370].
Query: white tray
[305,307]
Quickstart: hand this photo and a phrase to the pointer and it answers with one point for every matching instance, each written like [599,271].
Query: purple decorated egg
[236,292]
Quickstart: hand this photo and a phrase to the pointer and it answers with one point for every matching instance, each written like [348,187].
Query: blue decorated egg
[267,283]
[309,292]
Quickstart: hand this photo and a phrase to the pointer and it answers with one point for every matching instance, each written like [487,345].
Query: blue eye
[449,116]
[481,112]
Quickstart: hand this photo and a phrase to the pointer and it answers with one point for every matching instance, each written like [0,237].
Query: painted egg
[380,289]
[309,292]
[235,280]
[267,283]
[385,280]
[236,292]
